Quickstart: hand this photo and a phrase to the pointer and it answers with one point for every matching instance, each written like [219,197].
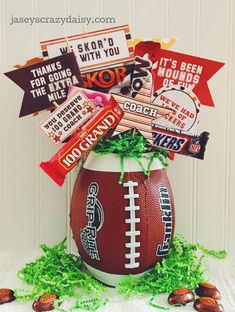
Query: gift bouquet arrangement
[120,108]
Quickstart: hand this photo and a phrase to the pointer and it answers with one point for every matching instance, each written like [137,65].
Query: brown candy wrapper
[146,55]
[45,303]
[206,304]
[6,295]
[181,296]
[105,79]
[208,290]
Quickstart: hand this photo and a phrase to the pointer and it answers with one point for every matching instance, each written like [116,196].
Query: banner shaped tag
[180,142]
[82,141]
[187,71]
[185,108]
[138,115]
[72,114]
[46,82]
[93,49]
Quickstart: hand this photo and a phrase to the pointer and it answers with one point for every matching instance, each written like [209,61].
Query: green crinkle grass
[134,146]
[59,273]
[181,268]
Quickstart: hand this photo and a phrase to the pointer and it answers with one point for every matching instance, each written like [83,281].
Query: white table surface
[220,272]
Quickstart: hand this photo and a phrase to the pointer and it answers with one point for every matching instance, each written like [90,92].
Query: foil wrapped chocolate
[181,296]
[6,295]
[45,303]
[206,304]
[208,290]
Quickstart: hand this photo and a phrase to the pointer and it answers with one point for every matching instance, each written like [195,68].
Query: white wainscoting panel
[33,209]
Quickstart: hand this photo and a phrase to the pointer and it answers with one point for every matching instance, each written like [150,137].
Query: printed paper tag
[138,115]
[71,115]
[185,71]
[93,49]
[184,105]
[46,82]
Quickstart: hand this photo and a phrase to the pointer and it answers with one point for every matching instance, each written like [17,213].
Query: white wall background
[33,209]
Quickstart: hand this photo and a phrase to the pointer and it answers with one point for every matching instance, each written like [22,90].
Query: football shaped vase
[125,228]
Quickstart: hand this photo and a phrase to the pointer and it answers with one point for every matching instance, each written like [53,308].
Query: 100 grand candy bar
[82,141]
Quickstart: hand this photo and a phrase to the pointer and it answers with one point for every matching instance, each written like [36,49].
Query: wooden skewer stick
[68,45]
[56,105]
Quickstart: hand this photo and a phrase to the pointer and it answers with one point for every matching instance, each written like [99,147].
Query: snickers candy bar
[180,142]
[6,295]
[208,290]
[206,304]
[45,303]
[181,296]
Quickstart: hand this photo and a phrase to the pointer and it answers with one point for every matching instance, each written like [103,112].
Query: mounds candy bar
[208,290]
[45,303]
[206,304]
[180,142]
[146,55]
[67,157]
[181,296]
[6,295]
[68,117]
[104,79]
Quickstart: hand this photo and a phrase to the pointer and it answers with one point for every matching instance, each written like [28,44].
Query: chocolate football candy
[181,296]
[6,295]
[208,290]
[45,303]
[206,304]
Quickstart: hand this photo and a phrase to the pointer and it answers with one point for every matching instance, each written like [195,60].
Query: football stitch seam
[132,255]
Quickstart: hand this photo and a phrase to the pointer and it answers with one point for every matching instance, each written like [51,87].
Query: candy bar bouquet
[121,109]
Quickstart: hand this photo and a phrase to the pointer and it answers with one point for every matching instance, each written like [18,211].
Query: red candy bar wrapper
[146,55]
[180,142]
[68,156]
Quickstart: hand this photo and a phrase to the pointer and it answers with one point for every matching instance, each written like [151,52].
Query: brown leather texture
[111,238]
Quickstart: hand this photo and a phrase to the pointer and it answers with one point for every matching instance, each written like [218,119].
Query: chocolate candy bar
[208,290]
[45,303]
[180,142]
[181,296]
[106,78]
[206,304]
[146,54]
[6,295]
[83,141]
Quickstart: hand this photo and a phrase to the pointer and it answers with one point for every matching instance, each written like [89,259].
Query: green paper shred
[181,268]
[152,304]
[132,146]
[91,304]
[59,273]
